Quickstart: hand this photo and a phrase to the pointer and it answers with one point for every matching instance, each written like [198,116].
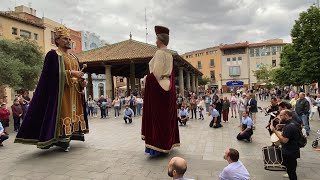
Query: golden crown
[61,31]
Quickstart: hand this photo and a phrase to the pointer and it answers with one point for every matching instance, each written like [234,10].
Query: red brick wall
[76,39]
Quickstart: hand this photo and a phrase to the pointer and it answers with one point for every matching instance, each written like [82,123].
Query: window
[262,51]
[273,50]
[234,59]
[199,65]
[252,52]
[25,34]
[267,51]
[85,44]
[234,71]
[228,59]
[212,76]
[121,80]
[211,62]
[239,58]
[257,51]
[14,31]
[279,48]
[274,63]
[52,38]
[35,36]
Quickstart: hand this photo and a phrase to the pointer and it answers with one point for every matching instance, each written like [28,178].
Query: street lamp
[221,82]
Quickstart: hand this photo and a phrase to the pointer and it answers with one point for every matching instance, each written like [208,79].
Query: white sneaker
[115,117]
[286,175]
[67,149]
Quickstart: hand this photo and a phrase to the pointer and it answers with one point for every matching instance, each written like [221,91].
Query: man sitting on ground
[215,122]
[183,116]
[128,114]
[246,127]
[235,169]
[3,136]
[176,168]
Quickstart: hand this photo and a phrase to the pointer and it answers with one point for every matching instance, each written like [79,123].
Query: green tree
[203,81]
[21,63]
[300,61]
[263,74]
[306,42]
[290,72]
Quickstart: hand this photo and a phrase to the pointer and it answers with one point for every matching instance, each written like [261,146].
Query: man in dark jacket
[302,109]
[252,108]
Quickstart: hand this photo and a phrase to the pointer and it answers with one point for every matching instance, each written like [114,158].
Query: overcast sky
[194,24]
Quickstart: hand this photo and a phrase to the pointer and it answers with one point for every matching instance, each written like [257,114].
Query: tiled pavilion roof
[121,54]
[125,50]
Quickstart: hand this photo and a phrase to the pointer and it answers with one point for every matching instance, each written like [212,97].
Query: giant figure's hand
[77,74]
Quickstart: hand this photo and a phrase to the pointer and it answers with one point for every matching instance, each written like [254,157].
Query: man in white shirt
[3,136]
[235,169]
[128,114]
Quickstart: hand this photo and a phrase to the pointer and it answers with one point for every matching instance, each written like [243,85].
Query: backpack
[302,140]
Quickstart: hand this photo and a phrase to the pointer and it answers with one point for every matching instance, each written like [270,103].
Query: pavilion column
[188,81]
[109,81]
[90,86]
[181,81]
[128,86]
[132,77]
[197,85]
[139,85]
[193,79]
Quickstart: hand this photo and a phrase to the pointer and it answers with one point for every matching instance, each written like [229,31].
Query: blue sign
[234,83]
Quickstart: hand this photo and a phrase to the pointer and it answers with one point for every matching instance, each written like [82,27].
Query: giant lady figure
[159,121]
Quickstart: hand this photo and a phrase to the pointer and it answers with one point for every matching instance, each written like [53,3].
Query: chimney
[25,9]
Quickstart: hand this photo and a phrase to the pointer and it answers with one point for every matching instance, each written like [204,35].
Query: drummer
[246,127]
[289,141]
[273,110]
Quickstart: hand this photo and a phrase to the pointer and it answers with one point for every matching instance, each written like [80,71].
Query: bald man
[176,168]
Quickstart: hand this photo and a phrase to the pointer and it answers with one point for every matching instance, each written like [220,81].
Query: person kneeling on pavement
[246,127]
[3,136]
[128,114]
[215,122]
[183,116]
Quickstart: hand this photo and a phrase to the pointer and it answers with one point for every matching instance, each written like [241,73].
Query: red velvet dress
[159,121]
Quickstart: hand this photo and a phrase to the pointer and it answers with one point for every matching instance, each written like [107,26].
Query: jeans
[291,165]
[3,138]
[139,106]
[116,111]
[103,112]
[305,120]
[207,106]
[90,111]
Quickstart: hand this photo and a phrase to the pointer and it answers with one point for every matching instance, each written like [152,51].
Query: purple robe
[39,127]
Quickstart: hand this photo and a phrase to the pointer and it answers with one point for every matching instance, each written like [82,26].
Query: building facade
[207,61]
[91,41]
[235,66]
[266,53]
[14,25]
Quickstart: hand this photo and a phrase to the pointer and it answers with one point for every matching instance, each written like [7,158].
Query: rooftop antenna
[61,21]
[145,18]
[130,36]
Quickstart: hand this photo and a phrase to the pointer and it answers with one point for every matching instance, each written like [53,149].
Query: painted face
[64,42]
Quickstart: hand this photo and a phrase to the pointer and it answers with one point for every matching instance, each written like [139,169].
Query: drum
[274,138]
[272,157]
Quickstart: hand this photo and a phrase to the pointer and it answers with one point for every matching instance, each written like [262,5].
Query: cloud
[193,24]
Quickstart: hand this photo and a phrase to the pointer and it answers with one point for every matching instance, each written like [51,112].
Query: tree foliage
[203,81]
[21,63]
[300,61]
[263,74]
